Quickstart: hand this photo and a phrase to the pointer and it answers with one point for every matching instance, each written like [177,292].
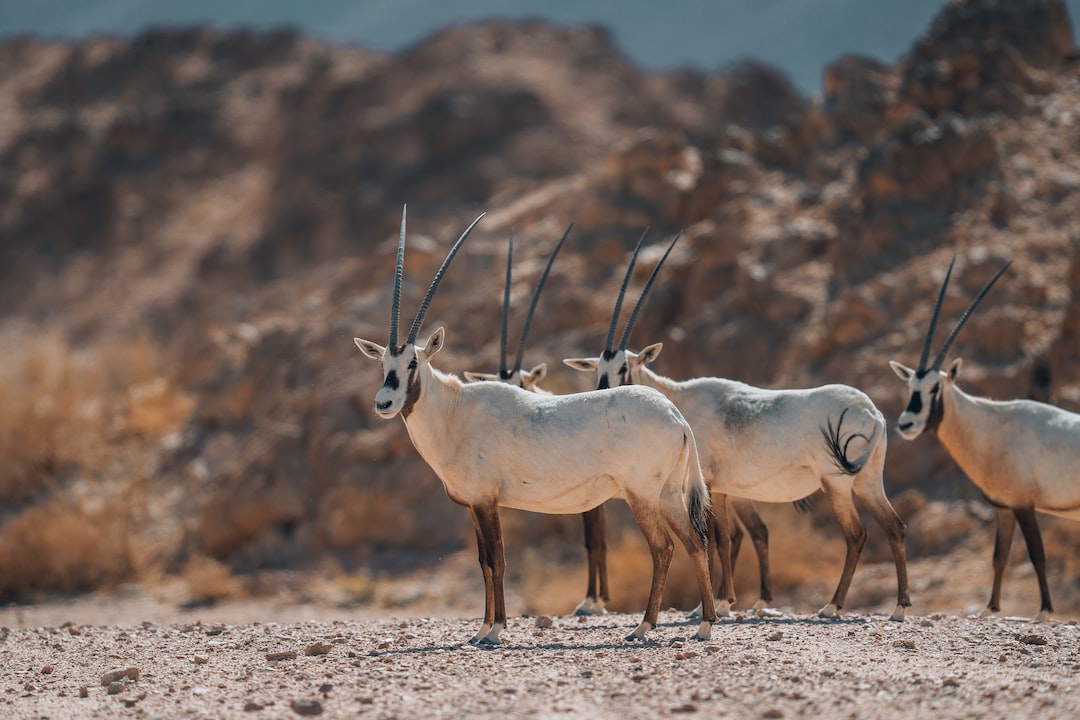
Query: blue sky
[799,36]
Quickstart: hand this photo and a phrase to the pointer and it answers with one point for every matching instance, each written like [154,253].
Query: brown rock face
[214,215]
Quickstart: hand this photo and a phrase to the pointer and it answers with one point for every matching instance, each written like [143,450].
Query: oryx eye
[412,364]
[622,370]
[934,390]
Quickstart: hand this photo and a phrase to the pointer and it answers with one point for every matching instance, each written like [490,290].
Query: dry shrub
[62,549]
[208,580]
[75,424]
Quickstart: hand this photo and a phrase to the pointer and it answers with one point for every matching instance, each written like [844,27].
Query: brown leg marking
[873,497]
[1006,525]
[759,535]
[661,547]
[494,562]
[1029,526]
[843,506]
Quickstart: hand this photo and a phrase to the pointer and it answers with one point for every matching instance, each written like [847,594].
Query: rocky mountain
[201,222]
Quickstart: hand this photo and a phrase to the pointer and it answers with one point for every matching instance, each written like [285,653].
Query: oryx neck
[648,378]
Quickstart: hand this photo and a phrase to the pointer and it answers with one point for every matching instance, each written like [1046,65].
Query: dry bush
[208,581]
[58,548]
[76,426]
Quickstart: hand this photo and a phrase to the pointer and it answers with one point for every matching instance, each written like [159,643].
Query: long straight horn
[967,313]
[934,318]
[506,308]
[535,298]
[622,291]
[419,321]
[395,309]
[644,293]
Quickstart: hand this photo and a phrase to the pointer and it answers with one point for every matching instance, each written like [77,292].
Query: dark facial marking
[915,404]
[412,393]
[603,384]
[937,409]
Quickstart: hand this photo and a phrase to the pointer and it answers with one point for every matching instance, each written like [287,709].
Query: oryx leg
[596,595]
[493,562]
[651,521]
[734,540]
[872,495]
[843,505]
[1029,526]
[725,597]
[679,521]
[759,535]
[1006,525]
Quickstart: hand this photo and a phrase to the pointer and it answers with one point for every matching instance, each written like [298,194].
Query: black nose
[905,426]
[383,405]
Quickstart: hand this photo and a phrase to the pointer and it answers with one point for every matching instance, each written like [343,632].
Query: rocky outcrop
[234,199]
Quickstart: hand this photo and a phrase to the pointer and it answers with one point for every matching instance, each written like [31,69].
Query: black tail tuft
[837,446]
[700,506]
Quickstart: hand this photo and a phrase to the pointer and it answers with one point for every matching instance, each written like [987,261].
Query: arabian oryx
[493,444]
[773,446]
[1021,454]
[595,520]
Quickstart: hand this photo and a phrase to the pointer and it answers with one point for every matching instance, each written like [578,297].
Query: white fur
[494,444]
[1021,454]
[767,445]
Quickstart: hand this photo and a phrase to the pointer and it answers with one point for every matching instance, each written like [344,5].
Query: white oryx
[1021,454]
[493,444]
[773,446]
[595,520]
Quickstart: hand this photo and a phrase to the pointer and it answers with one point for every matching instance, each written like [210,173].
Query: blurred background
[198,212]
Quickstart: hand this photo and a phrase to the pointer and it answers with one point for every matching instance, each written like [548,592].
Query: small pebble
[306,707]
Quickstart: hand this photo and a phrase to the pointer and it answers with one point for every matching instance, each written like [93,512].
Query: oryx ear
[954,368]
[434,343]
[582,364]
[372,350]
[650,353]
[537,374]
[902,371]
[479,376]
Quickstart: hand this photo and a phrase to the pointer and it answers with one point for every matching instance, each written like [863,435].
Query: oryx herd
[690,457]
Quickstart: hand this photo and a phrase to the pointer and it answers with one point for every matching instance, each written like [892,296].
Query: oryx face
[926,390]
[619,367]
[401,368]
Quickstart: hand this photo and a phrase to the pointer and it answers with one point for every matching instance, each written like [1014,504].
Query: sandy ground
[303,651]
[775,666]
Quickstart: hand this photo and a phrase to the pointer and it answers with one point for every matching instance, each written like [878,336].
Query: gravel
[778,666]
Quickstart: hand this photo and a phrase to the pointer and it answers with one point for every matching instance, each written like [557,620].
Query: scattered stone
[47,670]
[128,673]
[325,688]
[543,621]
[1033,640]
[950,682]
[778,635]
[251,706]
[201,659]
[318,648]
[906,644]
[215,630]
[773,713]
[283,655]
[306,707]
[116,687]
[84,692]
[684,708]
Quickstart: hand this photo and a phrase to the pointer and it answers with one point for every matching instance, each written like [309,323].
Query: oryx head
[527,379]
[927,385]
[401,364]
[620,366]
